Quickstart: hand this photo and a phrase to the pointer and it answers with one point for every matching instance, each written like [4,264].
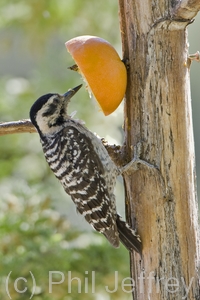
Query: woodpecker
[81,163]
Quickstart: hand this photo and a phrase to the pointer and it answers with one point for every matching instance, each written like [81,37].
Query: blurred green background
[40,230]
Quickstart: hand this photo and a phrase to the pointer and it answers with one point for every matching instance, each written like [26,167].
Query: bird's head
[49,112]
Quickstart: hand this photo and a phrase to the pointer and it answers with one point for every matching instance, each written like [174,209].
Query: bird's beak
[71,92]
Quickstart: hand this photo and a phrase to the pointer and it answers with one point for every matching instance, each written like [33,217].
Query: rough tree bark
[161,201]
[21,126]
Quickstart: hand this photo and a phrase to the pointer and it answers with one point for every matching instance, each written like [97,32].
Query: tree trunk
[161,201]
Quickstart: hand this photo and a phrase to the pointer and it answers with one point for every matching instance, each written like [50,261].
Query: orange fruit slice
[102,69]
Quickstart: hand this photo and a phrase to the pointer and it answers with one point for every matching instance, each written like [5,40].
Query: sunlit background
[40,229]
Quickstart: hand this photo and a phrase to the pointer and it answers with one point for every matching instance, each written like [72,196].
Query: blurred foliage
[35,213]
[38,239]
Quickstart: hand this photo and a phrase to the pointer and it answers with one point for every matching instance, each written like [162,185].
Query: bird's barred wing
[73,160]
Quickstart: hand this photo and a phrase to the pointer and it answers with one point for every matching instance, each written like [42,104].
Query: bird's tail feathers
[128,236]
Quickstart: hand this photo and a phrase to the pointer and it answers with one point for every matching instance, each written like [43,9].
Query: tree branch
[195,56]
[20,126]
[187,9]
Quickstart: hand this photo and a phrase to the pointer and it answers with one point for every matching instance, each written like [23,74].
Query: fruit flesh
[102,68]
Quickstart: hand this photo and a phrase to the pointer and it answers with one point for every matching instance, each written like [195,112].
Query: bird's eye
[56,101]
